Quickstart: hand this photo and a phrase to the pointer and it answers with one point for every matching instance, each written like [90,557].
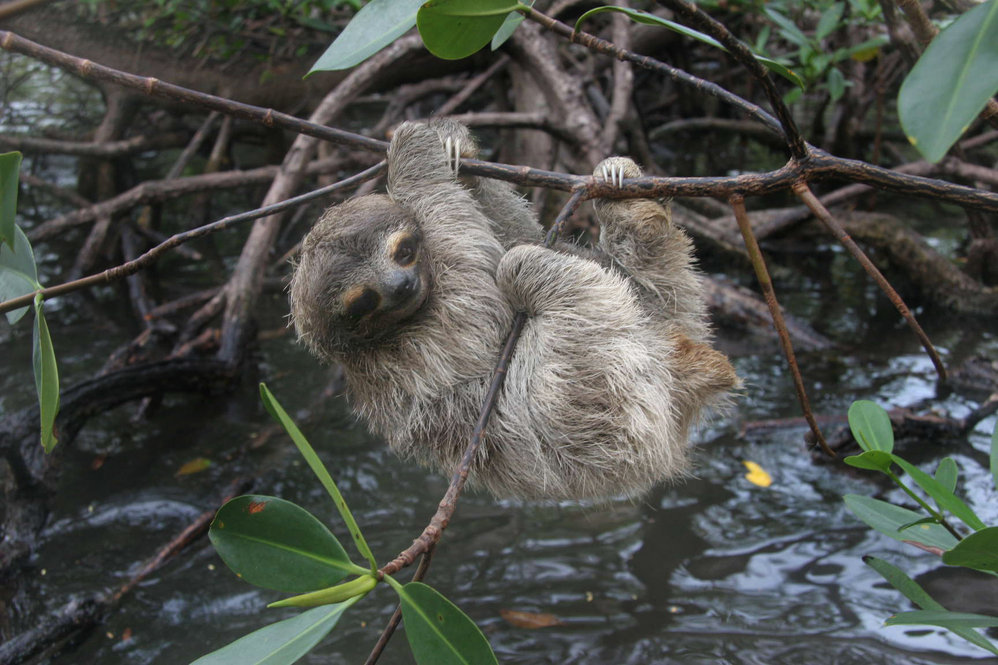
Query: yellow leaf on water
[196,465]
[530,620]
[757,475]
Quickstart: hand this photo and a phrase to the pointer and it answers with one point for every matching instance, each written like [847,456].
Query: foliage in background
[19,277]
[276,544]
[930,529]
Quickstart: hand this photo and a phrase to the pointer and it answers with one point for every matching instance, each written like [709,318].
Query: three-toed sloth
[415,292]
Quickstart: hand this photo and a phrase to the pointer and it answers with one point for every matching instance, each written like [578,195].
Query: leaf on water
[530,620]
[280,643]
[439,632]
[196,465]
[757,475]
[951,82]
[871,426]
[10,167]
[375,26]
[454,29]
[276,544]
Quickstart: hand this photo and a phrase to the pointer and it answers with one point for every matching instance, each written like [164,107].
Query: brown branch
[471,86]
[148,258]
[766,284]
[393,622]
[94,148]
[448,504]
[812,202]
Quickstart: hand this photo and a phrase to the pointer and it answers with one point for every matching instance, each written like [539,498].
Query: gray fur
[612,368]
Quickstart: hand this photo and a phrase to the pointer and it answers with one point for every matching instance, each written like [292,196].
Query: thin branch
[118,148]
[393,622]
[766,284]
[741,53]
[807,196]
[148,258]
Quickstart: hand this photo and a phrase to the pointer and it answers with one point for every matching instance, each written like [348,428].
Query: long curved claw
[614,174]
[452,148]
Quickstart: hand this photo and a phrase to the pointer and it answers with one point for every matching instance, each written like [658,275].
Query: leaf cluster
[276,544]
[929,529]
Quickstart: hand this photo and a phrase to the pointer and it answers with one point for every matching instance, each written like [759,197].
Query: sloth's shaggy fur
[613,366]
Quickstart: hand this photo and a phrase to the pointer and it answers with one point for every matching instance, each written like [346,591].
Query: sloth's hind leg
[640,237]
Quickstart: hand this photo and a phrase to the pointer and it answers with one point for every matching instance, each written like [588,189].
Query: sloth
[415,292]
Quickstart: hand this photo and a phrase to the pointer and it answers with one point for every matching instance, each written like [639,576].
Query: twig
[766,284]
[471,86]
[812,202]
[131,267]
[393,622]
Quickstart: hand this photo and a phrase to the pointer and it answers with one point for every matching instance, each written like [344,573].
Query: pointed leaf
[952,81]
[874,460]
[10,166]
[916,594]
[871,426]
[946,473]
[943,618]
[439,632]
[375,26]
[829,20]
[280,643]
[46,377]
[646,18]
[18,274]
[278,413]
[942,496]
[455,29]
[889,519]
[508,27]
[979,551]
[276,544]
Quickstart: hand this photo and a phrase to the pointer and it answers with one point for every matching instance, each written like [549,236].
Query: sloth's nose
[402,283]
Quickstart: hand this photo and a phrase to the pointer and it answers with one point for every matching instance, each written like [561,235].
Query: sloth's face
[390,289]
[364,276]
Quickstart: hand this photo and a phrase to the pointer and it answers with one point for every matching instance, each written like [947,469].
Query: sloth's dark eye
[358,303]
[405,252]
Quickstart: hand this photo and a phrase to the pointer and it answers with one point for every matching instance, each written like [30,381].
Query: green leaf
[829,21]
[871,426]
[874,460]
[276,544]
[439,632]
[375,26]
[10,166]
[455,29]
[508,27]
[18,274]
[946,473]
[994,455]
[334,594]
[943,497]
[979,551]
[787,27]
[280,643]
[916,594]
[836,84]
[942,618]
[639,16]
[952,81]
[278,413]
[46,377]
[889,519]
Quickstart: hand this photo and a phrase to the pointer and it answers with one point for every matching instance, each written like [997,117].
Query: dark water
[715,570]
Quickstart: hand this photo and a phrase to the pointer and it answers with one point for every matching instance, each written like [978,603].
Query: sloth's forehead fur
[354,233]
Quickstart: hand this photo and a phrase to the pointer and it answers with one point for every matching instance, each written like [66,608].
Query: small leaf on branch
[979,551]
[46,377]
[276,544]
[454,29]
[873,460]
[18,274]
[375,26]
[951,82]
[439,632]
[280,643]
[10,167]
[871,426]
[890,520]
